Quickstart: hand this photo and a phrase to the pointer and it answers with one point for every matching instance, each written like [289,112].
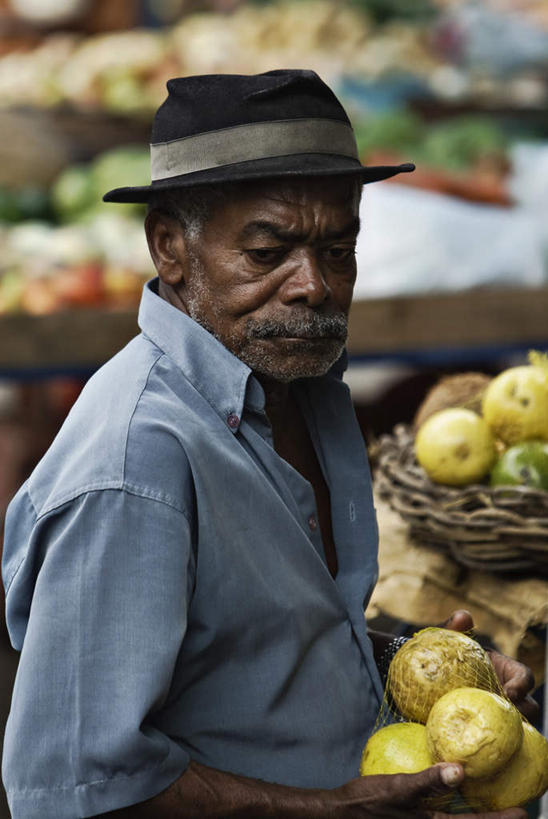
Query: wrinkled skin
[271,274]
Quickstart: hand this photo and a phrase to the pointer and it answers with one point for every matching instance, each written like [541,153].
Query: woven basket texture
[499,529]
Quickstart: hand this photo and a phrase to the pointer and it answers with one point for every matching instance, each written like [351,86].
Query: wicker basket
[500,529]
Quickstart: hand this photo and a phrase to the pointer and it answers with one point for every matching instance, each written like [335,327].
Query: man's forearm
[206,793]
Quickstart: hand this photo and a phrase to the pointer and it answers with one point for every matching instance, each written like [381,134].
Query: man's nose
[307,283]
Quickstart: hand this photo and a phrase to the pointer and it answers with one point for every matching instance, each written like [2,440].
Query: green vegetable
[9,208]
[461,142]
[34,203]
[73,192]
[128,165]
[398,131]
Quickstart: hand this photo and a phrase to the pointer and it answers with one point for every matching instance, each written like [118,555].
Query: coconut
[523,779]
[397,748]
[479,729]
[461,390]
[431,663]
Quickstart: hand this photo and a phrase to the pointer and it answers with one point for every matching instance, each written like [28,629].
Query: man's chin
[293,358]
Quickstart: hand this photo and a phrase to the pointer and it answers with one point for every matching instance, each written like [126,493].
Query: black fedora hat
[232,127]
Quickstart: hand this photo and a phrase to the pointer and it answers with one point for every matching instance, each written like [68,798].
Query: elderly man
[187,568]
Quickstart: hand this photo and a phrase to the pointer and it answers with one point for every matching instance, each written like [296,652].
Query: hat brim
[270,168]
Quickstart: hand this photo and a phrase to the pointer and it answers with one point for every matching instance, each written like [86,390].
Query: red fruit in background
[79,286]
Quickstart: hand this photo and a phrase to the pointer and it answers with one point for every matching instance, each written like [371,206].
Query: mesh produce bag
[443,703]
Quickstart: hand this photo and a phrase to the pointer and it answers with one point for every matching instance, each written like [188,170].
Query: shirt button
[312,523]
[233,421]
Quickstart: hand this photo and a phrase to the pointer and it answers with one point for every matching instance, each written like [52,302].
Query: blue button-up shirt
[168,589]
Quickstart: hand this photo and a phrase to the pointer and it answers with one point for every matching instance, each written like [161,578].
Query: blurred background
[452,259]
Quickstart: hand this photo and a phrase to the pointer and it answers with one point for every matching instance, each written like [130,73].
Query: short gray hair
[192,207]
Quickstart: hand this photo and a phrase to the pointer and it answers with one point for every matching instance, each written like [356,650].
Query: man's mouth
[315,328]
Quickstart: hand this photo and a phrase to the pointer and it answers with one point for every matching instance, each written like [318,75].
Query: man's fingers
[520,683]
[460,620]
[517,681]
[529,707]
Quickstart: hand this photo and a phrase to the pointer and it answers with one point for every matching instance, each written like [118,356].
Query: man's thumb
[439,779]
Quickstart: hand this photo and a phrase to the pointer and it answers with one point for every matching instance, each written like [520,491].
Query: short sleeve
[105,586]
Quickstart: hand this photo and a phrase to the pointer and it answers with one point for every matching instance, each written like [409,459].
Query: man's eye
[339,254]
[265,255]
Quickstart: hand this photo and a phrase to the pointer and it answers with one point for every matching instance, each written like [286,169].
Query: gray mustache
[316,325]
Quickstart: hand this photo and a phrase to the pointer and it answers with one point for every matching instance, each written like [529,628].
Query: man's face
[272,275]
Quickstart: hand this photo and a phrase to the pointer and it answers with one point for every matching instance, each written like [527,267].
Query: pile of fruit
[442,684]
[125,72]
[472,428]
[65,248]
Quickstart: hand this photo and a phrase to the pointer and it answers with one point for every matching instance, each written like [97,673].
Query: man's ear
[167,246]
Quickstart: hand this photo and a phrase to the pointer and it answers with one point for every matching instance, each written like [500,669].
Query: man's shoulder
[120,428]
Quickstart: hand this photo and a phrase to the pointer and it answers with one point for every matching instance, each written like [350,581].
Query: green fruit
[524,464]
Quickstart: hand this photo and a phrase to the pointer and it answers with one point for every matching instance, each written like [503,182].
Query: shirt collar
[216,373]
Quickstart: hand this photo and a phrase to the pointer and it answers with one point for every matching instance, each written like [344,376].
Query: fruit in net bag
[397,748]
[479,729]
[523,779]
[431,663]
[455,446]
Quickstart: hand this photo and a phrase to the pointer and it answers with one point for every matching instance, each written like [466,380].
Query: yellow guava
[477,728]
[523,779]
[431,663]
[397,748]
[455,447]
[515,404]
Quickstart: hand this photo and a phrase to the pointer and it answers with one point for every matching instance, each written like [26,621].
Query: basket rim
[482,527]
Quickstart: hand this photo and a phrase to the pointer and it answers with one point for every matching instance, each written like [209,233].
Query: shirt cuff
[92,798]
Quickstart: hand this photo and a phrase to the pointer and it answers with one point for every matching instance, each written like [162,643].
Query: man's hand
[401,796]
[515,678]
[205,793]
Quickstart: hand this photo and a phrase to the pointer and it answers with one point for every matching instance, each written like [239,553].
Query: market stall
[452,261]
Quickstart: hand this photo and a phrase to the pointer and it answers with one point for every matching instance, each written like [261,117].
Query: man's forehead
[328,189]
[334,197]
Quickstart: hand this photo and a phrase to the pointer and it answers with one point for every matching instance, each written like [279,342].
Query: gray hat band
[253,141]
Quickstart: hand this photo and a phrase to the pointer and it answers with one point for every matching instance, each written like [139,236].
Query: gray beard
[323,339]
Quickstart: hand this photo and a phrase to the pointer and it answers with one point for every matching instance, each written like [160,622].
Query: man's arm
[105,623]
[204,793]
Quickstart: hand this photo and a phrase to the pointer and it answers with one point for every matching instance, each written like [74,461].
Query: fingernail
[450,775]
